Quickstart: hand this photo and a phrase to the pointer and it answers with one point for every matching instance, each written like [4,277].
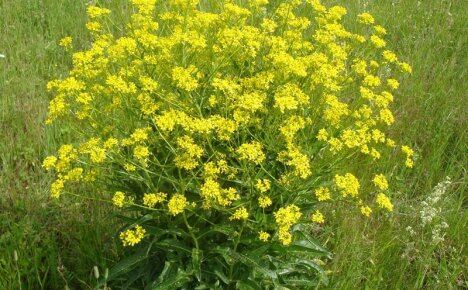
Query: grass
[59,243]
[52,240]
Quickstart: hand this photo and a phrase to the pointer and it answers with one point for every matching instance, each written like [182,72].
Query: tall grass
[53,242]
[431,116]
[58,244]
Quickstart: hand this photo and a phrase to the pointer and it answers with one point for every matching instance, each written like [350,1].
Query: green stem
[19,275]
[231,268]
[109,201]
[191,232]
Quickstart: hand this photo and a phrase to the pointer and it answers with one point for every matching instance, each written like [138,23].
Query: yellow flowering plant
[220,128]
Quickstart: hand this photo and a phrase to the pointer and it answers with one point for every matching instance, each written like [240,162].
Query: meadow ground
[58,243]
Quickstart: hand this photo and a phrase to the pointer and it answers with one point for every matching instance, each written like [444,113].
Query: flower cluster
[228,113]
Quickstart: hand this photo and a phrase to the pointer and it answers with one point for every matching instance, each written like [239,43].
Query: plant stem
[231,268]
[191,232]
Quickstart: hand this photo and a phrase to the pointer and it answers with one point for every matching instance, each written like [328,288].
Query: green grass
[58,243]
[431,117]
[46,235]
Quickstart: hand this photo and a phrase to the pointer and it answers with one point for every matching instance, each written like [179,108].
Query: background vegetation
[57,244]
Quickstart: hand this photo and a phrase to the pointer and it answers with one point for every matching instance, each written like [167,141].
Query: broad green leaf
[249,261]
[311,265]
[225,253]
[258,252]
[305,247]
[313,243]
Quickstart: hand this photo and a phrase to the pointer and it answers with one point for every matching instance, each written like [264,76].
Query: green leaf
[287,269]
[304,246]
[173,244]
[225,253]
[127,264]
[258,252]
[313,243]
[168,269]
[249,261]
[174,281]
[157,231]
[313,266]
[301,283]
[222,276]
[225,230]
[196,263]
[248,285]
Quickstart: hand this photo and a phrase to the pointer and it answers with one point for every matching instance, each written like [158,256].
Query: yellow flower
[94,11]
[371,81]
[366,18]
[387,117]
[129,167]
[290,97]
[239,214]
[405,67]
[300,161]
[49,162]
[93,26]
[286,217]
[66,42]
[264,201]
[380,30]
[177,204]
[97,154]
[348,184]
[268,25]
[384,202]
[322,135]
[263,236]
[252,152]
[263,185]
[409,163]
[318,217]
[284,236]
[380,181]
[188,159]
[393,84]
[322,194]
[141,152]
[74,174]
[409,156]
[57,187]
[118,199]
[377,41]
[366,210]
[145,7]
[152,199]
[184,79]
[389,56]
[140,134]
[132,237]
[110,143]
